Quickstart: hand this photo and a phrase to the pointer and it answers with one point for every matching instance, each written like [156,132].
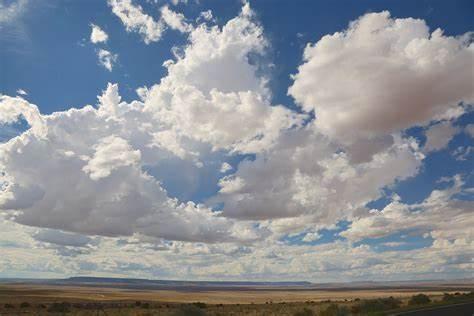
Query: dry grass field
[47,293]
[25,299]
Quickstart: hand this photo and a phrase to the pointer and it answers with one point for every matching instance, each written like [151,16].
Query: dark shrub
[356,309]
[138,303]
[25,305]
[419,299]
[305,312]
[376,305]
[448,297]
[189,310]
[200,304]
[335,310]
[9,305]
[63,307]
[145,305]
[92,306]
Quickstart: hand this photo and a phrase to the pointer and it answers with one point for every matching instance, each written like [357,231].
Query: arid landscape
[91,296]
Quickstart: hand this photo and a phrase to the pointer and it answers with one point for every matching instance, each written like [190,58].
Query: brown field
[85,300]
[47,293]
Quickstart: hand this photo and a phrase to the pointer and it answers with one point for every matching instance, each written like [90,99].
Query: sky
[227,140]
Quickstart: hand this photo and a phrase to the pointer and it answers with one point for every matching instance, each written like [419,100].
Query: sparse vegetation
[305,312]
[375,305]
[190,310]
[63,307]
[335,310]
[457,297]
[270,303]
[200,304]
[419,299]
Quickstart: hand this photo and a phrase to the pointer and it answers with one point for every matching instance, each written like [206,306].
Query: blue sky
[269,135]
[45,55]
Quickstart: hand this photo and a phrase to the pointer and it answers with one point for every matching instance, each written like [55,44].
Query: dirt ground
[46,293]
[38,299]
[54,293]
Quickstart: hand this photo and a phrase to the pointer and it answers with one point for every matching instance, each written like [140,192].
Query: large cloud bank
[82,170]
[82,173]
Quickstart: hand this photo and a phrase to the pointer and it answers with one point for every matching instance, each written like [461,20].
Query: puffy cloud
[175,21]
[98,35]
[240,121]
[214,103]
[106,58]
[212,93]
[428,216]
[438,136]
[11,109]
[214,53]
[263,260]
[169,140]
[325,262]
[316,182]
[106,192]
[339,260]
[111,152]
[106,150]
[382,75]
[230,184]
[135,20]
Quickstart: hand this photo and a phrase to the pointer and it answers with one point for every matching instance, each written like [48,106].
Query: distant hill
[180,282]
[148,284]
[180,285]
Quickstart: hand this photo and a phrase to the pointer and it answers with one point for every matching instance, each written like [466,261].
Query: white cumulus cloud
[428,217]
[106,59]
[382,75]
[135,20]
[174,20]
[110,153]
[98,35]
[105,192]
